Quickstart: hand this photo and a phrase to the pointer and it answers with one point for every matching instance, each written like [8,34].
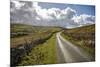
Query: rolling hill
[83,37]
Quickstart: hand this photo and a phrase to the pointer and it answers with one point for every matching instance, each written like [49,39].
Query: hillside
[83,37]
[20,33]
[86,29]
[33,43]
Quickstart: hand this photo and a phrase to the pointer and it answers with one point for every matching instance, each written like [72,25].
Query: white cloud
[31,13]
[35,4]
[17,4]
[37,18]
[84,19]
[55,13]
[68,13]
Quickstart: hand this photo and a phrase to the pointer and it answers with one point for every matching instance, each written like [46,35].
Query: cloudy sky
[51,14]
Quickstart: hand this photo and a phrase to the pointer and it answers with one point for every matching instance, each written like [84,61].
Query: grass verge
[89,51]
[42,54]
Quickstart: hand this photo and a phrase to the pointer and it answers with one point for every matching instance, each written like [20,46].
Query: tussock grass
[83,37]
[42,54]
[32,44]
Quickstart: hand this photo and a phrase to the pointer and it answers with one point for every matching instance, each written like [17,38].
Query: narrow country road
[69,53]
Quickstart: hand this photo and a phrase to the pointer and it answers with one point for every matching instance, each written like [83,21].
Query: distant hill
[16,27]
[83,29]
[21,32]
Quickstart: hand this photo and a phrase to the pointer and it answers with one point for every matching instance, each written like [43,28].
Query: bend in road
[69,53]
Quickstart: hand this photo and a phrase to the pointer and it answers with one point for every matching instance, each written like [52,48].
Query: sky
[51,14]
[90,10]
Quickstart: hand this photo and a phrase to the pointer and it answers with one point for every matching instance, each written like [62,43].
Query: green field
[39,43]
[21,33]
[42,54]
[32,45]
[83,37]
